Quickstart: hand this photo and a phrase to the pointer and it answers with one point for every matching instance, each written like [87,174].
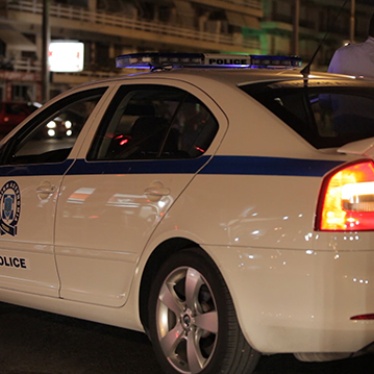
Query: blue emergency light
[155,60]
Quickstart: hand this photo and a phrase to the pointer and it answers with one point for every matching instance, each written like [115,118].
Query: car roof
[238,76]
[241,76]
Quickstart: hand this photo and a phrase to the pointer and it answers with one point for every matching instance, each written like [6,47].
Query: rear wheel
[193,325]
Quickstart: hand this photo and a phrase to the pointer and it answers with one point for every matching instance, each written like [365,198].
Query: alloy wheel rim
[187,320]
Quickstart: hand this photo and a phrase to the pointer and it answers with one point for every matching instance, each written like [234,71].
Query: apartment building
[108,28]
[331,23]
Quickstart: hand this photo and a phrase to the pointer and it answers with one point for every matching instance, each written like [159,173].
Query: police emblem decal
[10,208]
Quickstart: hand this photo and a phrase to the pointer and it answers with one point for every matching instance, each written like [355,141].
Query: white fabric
[354,59]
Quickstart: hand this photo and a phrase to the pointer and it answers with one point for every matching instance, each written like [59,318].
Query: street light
[296,20]
[352,22]
[46,37]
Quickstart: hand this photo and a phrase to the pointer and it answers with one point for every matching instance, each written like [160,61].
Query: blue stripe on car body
[218,165]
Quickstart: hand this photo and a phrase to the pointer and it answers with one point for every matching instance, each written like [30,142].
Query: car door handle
[45,189]
[156,191]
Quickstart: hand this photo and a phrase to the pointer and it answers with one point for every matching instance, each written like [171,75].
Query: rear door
[149,145]
[32,165]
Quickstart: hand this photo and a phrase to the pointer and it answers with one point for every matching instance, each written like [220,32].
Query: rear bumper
[300,300]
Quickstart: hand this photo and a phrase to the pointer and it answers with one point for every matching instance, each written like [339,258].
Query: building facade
[108,28]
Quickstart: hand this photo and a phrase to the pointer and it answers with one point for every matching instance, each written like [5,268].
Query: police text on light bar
[154,60]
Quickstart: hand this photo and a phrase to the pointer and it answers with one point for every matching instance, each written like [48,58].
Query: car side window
[50,136]
[154,121]
[326,117]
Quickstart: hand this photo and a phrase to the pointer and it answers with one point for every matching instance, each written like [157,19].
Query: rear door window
[154,122]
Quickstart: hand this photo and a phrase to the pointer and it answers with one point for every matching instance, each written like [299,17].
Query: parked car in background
[13,113]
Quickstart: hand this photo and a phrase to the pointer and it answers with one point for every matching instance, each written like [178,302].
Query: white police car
[226,210]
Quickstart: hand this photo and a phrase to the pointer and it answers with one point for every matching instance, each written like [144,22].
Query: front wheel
[193,325]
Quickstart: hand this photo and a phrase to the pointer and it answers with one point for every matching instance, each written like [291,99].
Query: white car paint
[88,232]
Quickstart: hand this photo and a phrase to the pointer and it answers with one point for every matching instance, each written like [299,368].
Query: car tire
[193,325]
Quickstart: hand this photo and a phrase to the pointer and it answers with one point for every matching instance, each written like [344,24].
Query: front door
[32,164]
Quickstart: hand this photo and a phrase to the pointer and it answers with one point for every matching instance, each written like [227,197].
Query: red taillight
[346,201]
[363,317]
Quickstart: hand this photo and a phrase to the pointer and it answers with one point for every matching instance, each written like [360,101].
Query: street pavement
[33,342]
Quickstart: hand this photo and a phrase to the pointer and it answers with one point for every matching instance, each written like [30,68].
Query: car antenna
[306,70]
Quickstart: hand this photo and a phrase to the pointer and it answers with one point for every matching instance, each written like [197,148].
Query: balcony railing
[254,4]
[99,18]
[250,3]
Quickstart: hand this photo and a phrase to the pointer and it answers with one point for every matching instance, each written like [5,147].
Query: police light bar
[154,60]
[264,61]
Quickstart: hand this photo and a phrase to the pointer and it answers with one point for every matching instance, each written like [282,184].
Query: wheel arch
[158,256]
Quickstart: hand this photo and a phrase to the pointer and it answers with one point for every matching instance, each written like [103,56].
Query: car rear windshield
[326,113]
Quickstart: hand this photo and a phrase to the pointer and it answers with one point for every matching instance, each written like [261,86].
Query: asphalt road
[33,342]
